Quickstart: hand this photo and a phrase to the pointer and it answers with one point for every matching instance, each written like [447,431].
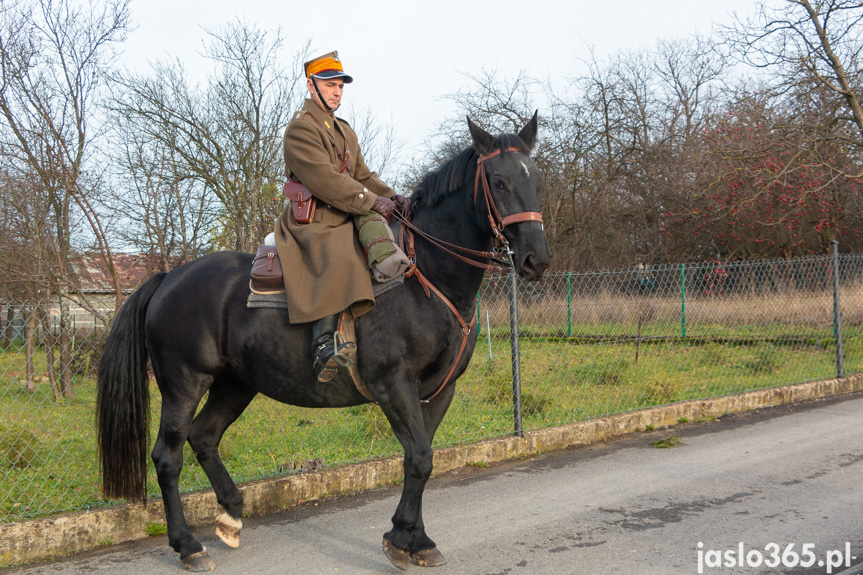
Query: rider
[325,268]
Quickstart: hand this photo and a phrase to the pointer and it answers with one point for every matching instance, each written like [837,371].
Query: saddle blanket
[278,300]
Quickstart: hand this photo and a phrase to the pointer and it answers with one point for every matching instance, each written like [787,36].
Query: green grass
[155,528]
[48,459]
[669,442]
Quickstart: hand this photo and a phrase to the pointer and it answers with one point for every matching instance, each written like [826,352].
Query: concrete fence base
[59,535]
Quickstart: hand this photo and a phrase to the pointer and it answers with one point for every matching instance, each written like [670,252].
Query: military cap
[327,66]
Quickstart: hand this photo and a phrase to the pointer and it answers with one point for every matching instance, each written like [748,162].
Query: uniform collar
[328,120]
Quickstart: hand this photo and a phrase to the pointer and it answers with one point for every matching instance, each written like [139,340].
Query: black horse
[201,337]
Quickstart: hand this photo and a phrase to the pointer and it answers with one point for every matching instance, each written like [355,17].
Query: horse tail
[123,399]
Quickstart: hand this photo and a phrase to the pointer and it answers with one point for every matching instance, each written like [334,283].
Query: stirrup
[343,355]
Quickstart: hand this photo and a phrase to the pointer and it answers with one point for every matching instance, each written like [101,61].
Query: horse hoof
[198,562]
[228,529]
[429,558]
[400,558]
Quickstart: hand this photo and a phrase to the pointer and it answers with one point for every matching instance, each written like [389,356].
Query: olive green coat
[324,267]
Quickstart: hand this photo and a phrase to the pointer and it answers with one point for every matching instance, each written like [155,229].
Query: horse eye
[498,184]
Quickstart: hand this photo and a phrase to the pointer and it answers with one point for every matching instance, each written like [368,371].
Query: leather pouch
[302,202]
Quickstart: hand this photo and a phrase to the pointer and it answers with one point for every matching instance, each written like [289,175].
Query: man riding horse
[326,270]
[221,352]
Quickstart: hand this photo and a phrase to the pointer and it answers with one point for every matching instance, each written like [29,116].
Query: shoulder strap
[343,156]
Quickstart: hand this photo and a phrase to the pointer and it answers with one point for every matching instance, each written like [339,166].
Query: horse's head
[513,184]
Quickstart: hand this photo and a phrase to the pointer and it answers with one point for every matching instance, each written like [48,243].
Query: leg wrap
[386,260]
[375,237]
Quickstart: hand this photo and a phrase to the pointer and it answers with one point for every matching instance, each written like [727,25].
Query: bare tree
[382,149]
[163,212]
[21,270]
[494,102]
[689,72]
[226,139]
[625,151]
[54,56]
[782,163]
[809,46]
[618,148]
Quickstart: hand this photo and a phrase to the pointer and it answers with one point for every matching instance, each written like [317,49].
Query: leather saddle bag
[267,270]
[302,202]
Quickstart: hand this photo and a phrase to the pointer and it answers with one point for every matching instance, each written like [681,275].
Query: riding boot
[327,354]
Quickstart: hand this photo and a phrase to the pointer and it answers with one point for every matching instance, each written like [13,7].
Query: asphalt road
[763,480]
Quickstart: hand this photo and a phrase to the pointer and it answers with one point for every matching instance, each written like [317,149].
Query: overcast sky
[405,56]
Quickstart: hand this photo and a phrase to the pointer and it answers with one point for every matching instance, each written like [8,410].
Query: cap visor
[327,74]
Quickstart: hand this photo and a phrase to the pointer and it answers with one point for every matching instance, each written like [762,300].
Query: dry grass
[790,308]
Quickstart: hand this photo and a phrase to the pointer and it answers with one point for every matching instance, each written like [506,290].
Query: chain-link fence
[589,345]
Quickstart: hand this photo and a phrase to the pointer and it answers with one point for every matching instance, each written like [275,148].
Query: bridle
[497,222]
[502,248]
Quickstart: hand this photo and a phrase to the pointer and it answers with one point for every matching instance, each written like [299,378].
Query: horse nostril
[531,268]
[528,265]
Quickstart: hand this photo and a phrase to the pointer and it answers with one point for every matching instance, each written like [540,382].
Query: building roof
[91,271]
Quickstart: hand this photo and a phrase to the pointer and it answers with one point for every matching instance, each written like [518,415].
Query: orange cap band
[322,65]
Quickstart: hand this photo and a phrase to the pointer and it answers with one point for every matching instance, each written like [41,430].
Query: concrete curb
[59,535]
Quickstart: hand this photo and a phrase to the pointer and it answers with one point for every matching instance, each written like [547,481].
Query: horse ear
[528,133]
[483,142]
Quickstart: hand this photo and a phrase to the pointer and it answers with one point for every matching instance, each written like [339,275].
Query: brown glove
[384,206]
[400,202]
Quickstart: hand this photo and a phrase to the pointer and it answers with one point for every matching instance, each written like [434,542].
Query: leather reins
[497,222]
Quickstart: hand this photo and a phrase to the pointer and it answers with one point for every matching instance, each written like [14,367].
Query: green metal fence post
[478,318]
[568,304]
[488,334]
[683,300]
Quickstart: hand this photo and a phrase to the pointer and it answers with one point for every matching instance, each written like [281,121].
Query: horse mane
[450,176]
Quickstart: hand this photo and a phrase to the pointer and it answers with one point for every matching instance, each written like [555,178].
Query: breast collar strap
[465,328]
